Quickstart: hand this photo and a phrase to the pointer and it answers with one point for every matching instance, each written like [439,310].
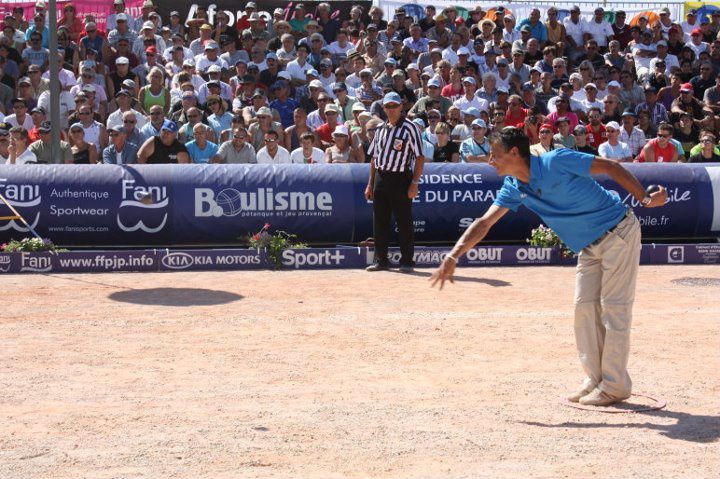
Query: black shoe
[378,267]
[406,268]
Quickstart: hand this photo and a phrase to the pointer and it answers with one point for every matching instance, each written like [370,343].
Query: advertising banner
[320,258]
[339,10]
[99,9]
[179,205]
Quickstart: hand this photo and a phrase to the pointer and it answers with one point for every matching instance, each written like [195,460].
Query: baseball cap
[479,122]
[613,125]
[121,17]
[419,122]
[88,87]
[661,43]
[628,113]
[526,28]
[148,26]
[392,97]
[502,89]
[340,130]
[412,66]
[258,93]
[211,46]
[357,106]
[390,61]
[434,82]
[696,31]
[332,107]
[122,61]
[24,80]
[285,75]
[686,87]
[527,86]
[580,130]
[122,92]
[174,13]
[562,119]
[188,95]
[472,111]
[339,86]
[614,83]
[590,85]
[271,56]
[470,80]
[316,84]
[170,126]
[189,62]
[312,73]
[214,69]
[151,50]
[129,84]
[463,51]
[45,127]
[117,129]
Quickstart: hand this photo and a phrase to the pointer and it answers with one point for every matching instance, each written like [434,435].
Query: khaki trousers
[604,294]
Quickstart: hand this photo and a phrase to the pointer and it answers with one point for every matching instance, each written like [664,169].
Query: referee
[393,184]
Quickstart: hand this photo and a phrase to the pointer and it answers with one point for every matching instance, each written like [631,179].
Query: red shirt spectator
[660,154]
[596,135]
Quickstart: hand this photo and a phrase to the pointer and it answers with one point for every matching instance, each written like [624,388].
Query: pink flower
[267,225]
[256,237]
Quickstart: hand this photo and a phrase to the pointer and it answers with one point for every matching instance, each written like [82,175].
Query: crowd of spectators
[309,89]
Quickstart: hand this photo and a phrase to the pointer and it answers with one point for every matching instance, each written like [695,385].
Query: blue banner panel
[181,205]
[319,258]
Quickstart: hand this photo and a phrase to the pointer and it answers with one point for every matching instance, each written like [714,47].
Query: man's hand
[413,190]
[443,273]
[658,198]
[369,192]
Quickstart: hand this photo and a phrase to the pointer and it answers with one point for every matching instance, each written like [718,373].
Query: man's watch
[646,201]
[415,182]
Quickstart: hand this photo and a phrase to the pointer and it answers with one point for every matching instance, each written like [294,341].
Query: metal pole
[54,82]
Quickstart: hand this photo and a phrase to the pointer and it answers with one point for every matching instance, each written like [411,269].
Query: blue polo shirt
[285,109]
[562,192]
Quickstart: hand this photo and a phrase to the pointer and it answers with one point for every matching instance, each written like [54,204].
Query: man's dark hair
[666,127]
[510,137]
[273,133]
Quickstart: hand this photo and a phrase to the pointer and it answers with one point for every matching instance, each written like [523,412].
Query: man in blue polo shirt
[591,221]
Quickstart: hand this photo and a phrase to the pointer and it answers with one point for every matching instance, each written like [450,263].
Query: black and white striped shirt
[395,148]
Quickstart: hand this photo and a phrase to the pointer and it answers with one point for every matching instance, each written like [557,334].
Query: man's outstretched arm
[472,236]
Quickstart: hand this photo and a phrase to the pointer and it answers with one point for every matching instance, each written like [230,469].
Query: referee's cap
[392,97]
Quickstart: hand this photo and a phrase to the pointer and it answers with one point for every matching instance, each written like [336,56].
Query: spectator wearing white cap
[468,99]
[476,149]
[341,151]
[198,45]
[433,97]
[613,148]
[146,9]
[148,32]
[591,99]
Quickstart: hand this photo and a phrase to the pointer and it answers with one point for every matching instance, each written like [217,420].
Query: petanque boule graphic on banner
[105,205]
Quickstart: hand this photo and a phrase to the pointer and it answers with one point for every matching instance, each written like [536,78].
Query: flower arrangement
[34,245]
[547,238]
[274,243]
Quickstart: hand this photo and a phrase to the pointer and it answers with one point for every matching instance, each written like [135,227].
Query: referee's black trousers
[390,198]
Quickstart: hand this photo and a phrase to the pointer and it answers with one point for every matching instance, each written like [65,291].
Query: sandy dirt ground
[345,374]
